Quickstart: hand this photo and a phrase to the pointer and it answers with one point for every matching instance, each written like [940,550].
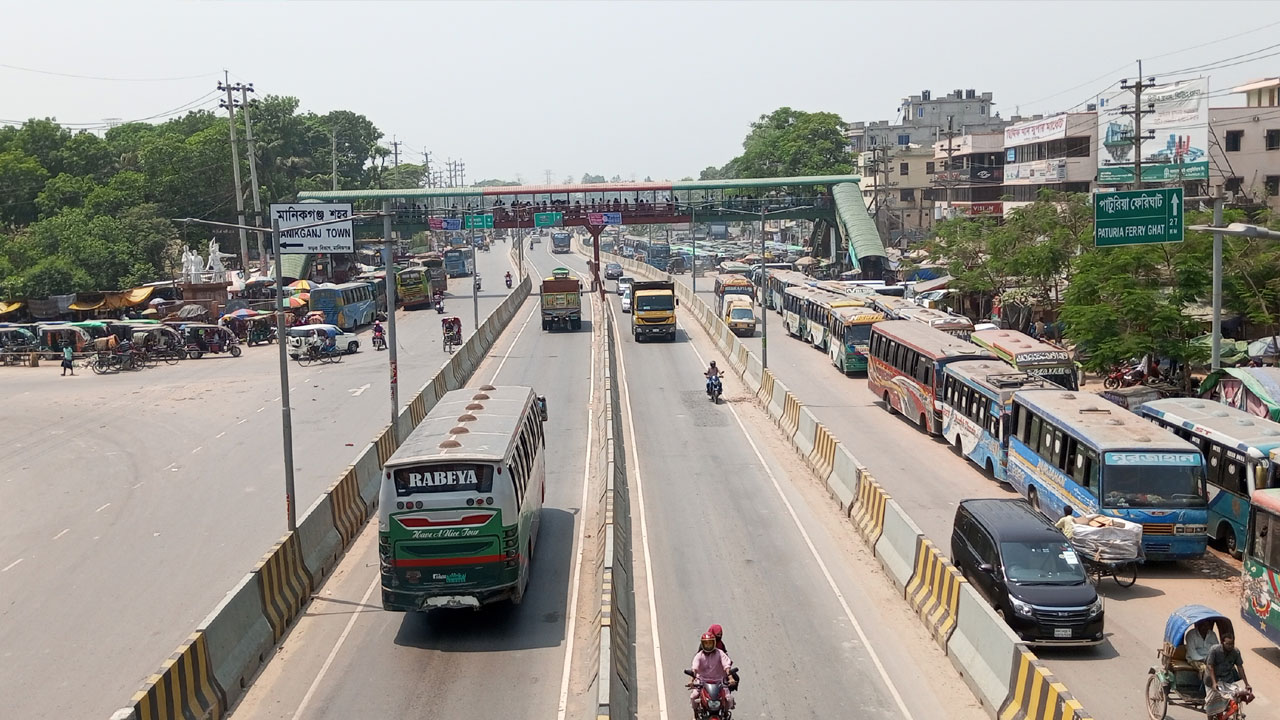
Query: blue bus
[348,305]
[457,262]
[977,400]
[1077,450]
[1237,447]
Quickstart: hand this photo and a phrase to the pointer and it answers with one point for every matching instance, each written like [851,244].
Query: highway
[929,479]
[348,658]
[132,502]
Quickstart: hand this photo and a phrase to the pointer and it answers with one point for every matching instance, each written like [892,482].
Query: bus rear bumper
[399,601]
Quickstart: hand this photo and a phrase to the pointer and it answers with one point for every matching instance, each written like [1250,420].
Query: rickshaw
[261,330]
[677,265]
[1174,680]
[452,329]
[54,335]
[160,342]
[204,338]
[317,348]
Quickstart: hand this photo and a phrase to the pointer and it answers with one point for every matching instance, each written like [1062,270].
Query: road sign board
[608,218]
[548,219]
[335,238]
[1137,217]
[451,224]
[479,222]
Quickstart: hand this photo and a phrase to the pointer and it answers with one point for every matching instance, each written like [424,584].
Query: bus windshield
[857,334]
[1063,376]
[1164,481]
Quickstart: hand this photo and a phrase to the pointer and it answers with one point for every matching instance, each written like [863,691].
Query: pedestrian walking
[67,355]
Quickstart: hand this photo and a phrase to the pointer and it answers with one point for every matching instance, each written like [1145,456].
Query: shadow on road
[537,622]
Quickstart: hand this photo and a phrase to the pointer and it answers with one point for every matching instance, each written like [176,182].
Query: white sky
[632,88]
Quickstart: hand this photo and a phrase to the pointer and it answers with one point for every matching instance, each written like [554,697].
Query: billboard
[1035,131]
[1179,121]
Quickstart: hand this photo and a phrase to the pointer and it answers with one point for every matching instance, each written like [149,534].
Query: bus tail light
[510,532]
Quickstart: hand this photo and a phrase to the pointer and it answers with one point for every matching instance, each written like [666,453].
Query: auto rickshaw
[203,338]
[261,330]
[1174,680]
[451,327]
[677,265]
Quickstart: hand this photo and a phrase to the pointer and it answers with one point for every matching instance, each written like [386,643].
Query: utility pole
[1137,113]
[426,168]
[1216,360]
[333,155]
[948,180]
[253,177]
[230,105]
[547,174]
[462,174]
[395,151]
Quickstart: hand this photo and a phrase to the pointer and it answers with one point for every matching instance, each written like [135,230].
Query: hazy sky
[632,88]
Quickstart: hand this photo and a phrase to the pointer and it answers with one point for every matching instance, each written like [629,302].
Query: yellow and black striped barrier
[934,591]
[184,688]
[823,457]
[867,513]
[418,409]
[790,415]
[387,444]
[766,388]
[1035,694]
[283,584]
[349,509]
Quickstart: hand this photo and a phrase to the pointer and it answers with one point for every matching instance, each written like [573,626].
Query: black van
[1025,568]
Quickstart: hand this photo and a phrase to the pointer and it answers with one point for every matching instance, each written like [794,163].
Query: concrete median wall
[1002,673]
[209,671]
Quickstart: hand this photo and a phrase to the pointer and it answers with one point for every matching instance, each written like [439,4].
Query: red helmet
[717,631]
[708,643]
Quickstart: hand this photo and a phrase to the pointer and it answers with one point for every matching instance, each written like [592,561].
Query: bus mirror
[542,407]
[677,302]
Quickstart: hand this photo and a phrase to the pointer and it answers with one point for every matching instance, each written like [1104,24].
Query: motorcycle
[379,341]
[477,283]
[1122,376]
[440,306]
[530,244]
[713,698]
[508,281]
[714,389]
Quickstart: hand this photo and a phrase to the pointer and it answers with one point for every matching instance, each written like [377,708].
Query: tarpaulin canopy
[129,298]
[8,307]
[88,303]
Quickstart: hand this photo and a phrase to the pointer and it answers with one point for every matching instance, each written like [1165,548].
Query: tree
[493,182]
[791,142]
[588,179]
[405,175]
[22,177]
[64,191]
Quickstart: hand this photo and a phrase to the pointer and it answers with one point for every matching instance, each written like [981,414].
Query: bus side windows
[1091,473]
[1033,436]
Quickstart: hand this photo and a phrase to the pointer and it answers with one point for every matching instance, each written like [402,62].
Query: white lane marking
[224,432]
[358,391]
[170,466]
[276,398]
[513,343]
[261,408]
[243,421]
[571,630]
[315,684]
[295,387]
[104,507]
[813,551]
[64,532]
[136,486]
[644,540]
[193,452]
[11,565]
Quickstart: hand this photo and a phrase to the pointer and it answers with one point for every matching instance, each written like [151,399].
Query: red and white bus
[905,368]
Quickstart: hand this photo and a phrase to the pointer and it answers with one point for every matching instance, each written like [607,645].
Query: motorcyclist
[718,631]
[712,372]
[508,278]
[477,281]
[378,331]
[710,665]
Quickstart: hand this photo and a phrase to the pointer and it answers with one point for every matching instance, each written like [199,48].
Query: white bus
[461,499]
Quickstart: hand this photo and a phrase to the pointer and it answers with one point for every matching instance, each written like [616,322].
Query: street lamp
[1235,230]
[286,415]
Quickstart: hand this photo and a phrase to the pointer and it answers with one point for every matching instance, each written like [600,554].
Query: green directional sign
[548,219]
[1137,217]
[480,222]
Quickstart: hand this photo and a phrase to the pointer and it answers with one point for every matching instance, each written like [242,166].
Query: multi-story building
[921,118]
[1054,153]
[1244,145]
[970,178]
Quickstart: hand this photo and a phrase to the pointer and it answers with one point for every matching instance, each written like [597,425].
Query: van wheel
[1033,499]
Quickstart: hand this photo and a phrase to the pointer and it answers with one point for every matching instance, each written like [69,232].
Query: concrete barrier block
[753,375]
[843,481]
[896,549]
[284,585]
[867,513]
[184,687]
[823,457]
[982,649]
[790,419]
[319,540]
[347,505]
[1035,694]
[778,398]
[806,432]
[404,424]
[239,638]
[934,590]
[368,476]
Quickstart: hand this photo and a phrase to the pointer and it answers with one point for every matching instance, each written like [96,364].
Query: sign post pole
[282,342]
[389,271]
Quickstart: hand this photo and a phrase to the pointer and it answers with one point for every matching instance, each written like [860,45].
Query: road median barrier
[1006,677]
[211,669]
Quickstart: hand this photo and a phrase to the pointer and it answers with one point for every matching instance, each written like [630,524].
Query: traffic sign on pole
[337,237]
[548,219]
[480,222]
[1137,217]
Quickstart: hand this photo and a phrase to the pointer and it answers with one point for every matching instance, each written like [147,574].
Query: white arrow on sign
[356,392]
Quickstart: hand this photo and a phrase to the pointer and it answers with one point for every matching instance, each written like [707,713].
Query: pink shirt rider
[710,668]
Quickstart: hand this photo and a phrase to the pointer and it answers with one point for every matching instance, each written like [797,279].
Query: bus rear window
[443,477]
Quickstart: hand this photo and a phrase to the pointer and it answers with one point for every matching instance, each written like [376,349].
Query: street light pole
[475,277]
[1216,360]
[693,231]
[389,272]
[764,283]
[286,415]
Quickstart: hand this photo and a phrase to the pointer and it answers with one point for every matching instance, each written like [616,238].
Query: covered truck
[561,300]
[653,309]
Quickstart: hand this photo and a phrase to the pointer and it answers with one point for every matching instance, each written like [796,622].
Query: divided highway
[130,503]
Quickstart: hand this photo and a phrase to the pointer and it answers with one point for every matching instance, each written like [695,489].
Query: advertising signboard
[1179,149]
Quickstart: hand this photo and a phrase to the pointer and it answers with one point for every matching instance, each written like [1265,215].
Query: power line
[102,77]
[185,107]
[1213,42]
[1212,65]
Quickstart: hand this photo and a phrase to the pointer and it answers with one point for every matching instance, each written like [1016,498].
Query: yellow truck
[739,315]
[653,309]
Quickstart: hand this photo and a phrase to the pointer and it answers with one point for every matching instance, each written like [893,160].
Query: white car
[298,335]
[624,284]
[626,300]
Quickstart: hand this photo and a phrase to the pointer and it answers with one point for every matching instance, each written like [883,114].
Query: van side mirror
[677,302]
[987,568]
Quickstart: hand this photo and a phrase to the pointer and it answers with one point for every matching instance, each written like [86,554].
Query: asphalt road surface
[929,479]
[348,658]
[130,503]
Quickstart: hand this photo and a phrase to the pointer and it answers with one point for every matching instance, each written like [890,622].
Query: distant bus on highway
[461,502]
[905,370]
[457,262]
[348,306]
[1029,355]
[560,242]
[977,399]
[1077,450]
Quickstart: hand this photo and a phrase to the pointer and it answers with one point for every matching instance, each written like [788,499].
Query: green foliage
[791,142]
[405,175]
[82,212]
[588,178]
[494,182]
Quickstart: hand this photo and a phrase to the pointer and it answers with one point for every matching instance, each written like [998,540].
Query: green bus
[461,500]
[852,325]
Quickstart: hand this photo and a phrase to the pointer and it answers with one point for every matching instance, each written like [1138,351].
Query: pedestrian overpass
[832,202]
